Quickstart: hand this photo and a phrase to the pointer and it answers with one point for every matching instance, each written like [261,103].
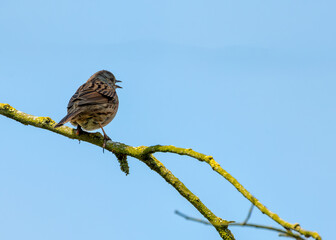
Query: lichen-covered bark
[121,150]
[217,168]
[145,154]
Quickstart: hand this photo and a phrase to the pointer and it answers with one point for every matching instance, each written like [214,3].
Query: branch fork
[145,155]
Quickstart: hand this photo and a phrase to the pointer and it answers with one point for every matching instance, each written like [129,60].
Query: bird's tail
[66,119]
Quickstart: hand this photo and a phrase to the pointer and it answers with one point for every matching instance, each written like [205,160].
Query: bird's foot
[106,138]
[79,130]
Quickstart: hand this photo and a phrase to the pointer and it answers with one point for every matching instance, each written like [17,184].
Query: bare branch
[144,154]
[121,149]
[217,168]
[243,224]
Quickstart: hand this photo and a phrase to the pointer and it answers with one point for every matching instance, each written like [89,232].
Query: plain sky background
[251,83]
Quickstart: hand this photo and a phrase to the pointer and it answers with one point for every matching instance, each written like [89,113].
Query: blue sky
[251,83]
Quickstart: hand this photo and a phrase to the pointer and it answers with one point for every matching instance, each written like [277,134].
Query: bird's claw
[106,138]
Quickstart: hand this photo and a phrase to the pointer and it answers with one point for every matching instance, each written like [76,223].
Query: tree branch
[144,154]
[244,224]
[217,168]
[121,149]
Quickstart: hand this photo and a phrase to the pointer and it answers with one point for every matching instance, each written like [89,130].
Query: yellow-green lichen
[144,154]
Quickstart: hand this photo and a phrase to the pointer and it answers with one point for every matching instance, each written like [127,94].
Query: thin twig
[243,224]
[249,214]
[191,218]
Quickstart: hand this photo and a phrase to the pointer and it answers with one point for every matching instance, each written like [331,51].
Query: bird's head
[107,77]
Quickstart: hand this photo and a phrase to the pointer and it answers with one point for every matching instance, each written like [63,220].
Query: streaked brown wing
[90,93]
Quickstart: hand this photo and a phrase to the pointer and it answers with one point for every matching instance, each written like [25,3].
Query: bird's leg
[106,138]
[79,131]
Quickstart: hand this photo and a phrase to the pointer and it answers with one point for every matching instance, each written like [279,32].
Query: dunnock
[94,105]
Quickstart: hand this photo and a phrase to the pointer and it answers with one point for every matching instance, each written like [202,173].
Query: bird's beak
[117,85]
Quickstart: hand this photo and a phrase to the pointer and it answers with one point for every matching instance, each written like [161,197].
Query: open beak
[117,85]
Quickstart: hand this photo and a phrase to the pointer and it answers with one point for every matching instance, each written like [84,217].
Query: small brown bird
[94,105]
